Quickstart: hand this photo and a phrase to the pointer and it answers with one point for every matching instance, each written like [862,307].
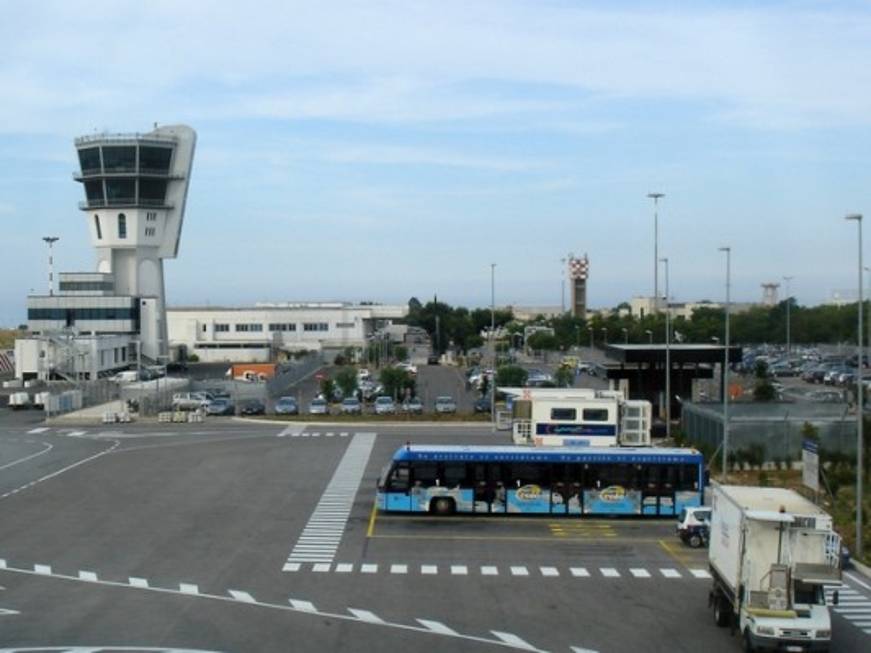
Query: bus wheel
[443,506]
[721,611]
[748,643]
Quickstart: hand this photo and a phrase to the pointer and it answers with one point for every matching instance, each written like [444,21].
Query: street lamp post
[859,397]
[562,285]
[667,355]
[655,197]
[493,344]
[625,335]
[728,251]
[788,302]
[50,240]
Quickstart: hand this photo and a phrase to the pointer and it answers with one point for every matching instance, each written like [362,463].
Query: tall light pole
[50,240]
[655,197]
[493,343]
[788,302]
[667,355]
[728,251]
[859,392]
[562,275]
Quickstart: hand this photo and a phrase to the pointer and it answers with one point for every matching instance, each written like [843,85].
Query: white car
[384,405]
[191,400]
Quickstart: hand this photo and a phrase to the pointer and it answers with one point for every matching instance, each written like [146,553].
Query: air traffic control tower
[135,191]
[98,322]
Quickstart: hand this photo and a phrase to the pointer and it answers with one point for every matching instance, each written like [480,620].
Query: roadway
[232,536]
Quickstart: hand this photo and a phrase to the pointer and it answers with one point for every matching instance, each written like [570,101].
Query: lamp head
[853,216]
[724,249]
[655,196]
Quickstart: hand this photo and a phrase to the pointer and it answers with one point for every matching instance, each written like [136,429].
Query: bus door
[396,490]
[489,488]
[565,490]
[667,487]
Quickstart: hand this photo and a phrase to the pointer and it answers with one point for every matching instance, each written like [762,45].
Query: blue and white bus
[444,479]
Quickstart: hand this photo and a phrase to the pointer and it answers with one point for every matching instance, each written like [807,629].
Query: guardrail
[124,202]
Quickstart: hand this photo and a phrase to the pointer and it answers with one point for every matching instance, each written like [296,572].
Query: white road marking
[244,597]
[513,640]
[188,588]
[5,612]
[436,627]
[640,573]
[88,576]
[304,606]
[344,568]
[489,571]
[580,572]
[519,571]
[323,533]
[398,569]
[670,573]
[42,570]
[60,471]
[2,563]
[429,570]
[138,582]
[365,615]
[48,447]
[343,434]
[39,429]
[700,573]
[76,434]
[291,566]
[321,567]
[610,572]
[330,434]
[549,571]
[368,569]
[578,649]
[857,580]
[459,570]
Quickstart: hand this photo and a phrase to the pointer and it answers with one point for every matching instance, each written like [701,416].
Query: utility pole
[860,391]
[728,251]
[655,197]
[788,302]
[562,286]
[667,356]
[493,344]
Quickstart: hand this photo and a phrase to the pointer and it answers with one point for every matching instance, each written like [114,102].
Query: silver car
[318,407]
[384,405]
[351,406]
[445,405]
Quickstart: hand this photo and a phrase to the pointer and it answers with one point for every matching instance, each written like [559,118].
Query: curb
[360,424]
[863,569]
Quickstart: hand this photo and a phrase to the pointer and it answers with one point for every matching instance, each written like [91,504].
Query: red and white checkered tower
[579,270]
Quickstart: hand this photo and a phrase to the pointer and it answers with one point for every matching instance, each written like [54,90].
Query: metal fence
[776,427]
[292,372]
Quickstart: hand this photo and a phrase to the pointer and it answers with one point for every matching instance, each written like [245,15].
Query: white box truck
[771,554]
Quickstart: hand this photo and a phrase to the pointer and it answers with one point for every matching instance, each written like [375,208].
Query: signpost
[810,458]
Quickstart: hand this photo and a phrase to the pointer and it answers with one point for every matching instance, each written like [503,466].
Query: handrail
[126,171]
[135,137]
[123,201]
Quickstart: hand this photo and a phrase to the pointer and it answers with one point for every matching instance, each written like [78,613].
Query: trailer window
[567,414]
[595,414]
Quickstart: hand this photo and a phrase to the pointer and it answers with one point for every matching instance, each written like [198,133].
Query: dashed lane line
[299,606]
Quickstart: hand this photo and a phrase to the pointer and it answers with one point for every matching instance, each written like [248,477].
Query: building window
[222,328]
[151,216]
[122,225]
[315,326]
[344,325]
[249,327]
[150,231]
[97,225]
[282,326]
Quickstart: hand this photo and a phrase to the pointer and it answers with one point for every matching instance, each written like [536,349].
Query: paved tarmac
[231,536]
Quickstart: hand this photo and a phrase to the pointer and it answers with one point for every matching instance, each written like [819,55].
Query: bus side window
[689,478]
[425,474]
[455,474]
[669,474]
[399,478]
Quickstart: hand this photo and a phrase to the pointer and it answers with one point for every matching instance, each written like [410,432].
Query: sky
[383,150]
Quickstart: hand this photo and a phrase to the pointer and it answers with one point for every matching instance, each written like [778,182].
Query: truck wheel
[443,506]
[748,643]
[722,614]
[695,540]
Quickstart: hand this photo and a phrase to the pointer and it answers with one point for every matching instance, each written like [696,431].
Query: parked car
[191,400]
[384,406]
[221,406]
[693,526]
[433,359]
[318,406]
[413,406]
[482,404]
[351,406]
[252,407]
[445,405]
[286,406]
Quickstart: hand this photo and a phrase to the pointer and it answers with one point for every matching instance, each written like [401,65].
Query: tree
[401,352]
[542,341]
[328,388]
[512,376]
[395,381]
[346,379]
[764,391]
[564,376]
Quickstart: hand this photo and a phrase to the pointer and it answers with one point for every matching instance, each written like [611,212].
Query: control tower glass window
[152,189]
[120,190]
[119,159]
[154,159]
[89,159]
[94,190]
[122,225]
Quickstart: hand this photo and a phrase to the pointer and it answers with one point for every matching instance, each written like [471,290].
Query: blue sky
[379,150]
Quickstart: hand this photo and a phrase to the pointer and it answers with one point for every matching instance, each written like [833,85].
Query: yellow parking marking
[372,517]
[681,555]
[506,538]
[579,530]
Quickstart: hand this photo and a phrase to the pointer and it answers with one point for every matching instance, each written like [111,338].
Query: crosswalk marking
[549,571]
[321,567]
[398,569]
[39,429]
[344,568]
[304,606]
[43,570]
[369,569]
[519,571]
[429,570]
[640,573]
[610,572]
[188,588]
[244,597]
[579,572]
[291,566]
[489,571]
[365,615]
[670,573]
[437,627]
[459,570]
[137,582]
[322,534]
[700,573]
[88,576]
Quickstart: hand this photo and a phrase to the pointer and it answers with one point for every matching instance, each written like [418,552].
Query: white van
[128,376]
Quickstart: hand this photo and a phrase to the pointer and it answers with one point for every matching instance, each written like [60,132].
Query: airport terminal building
[265,332]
